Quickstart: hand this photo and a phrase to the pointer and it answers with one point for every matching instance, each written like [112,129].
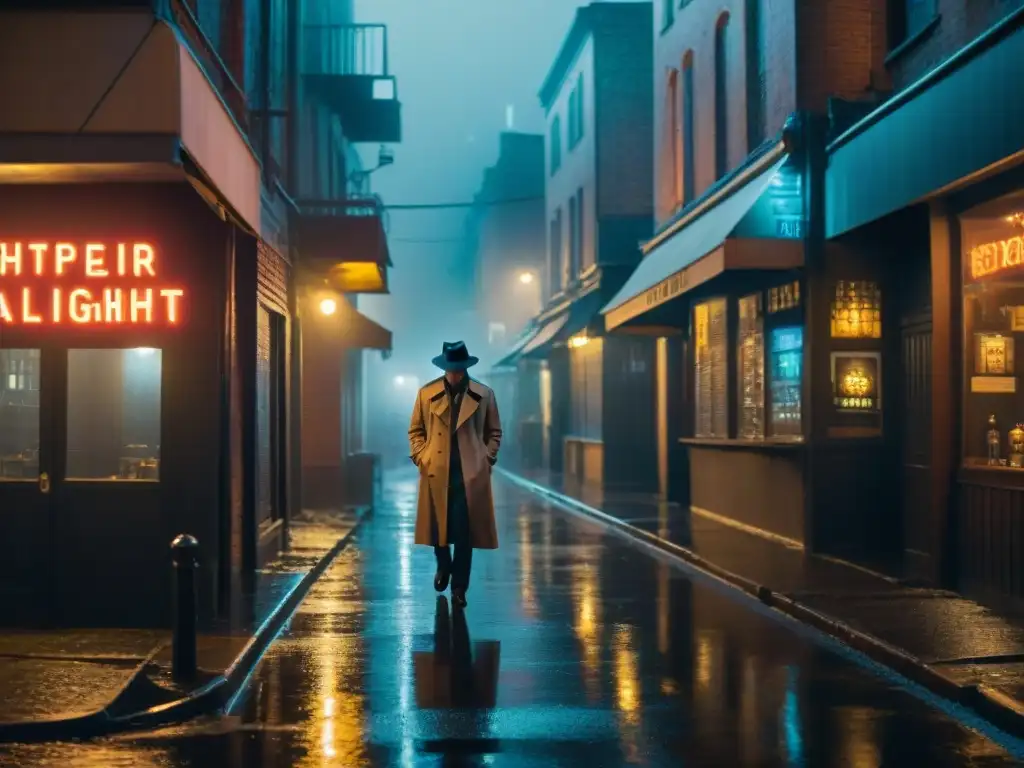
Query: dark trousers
[459,566]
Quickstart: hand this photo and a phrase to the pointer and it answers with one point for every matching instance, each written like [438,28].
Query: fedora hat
[455,357]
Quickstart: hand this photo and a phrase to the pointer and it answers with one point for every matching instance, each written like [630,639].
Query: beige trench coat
[479,436]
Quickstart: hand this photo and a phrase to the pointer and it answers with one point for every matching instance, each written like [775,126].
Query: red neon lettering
[94,260]
[27,315]
[39,256]
[10,259]
[113,310]
[5,312]
[65,256]
[80,306]
[172,295]
[142,259]
[138,304]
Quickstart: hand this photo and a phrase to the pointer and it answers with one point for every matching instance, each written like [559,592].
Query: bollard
[185,558]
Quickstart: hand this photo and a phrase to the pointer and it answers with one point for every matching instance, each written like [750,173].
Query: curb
[1001,710]
[212,696]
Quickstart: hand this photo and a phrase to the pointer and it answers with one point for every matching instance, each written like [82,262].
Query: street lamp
[328,307]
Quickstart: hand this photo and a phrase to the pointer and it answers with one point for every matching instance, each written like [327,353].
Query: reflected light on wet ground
[575,650]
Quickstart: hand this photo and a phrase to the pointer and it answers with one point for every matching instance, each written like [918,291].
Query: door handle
[44,482]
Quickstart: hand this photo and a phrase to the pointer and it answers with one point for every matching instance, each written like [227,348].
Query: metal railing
[200,22]
[345,49]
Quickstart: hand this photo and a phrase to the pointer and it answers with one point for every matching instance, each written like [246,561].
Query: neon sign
[990,258]
[43,283]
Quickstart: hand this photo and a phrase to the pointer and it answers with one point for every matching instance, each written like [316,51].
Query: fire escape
[345,66]
[344,69]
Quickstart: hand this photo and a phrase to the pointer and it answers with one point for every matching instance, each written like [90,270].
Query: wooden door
[26,511]
[916,436]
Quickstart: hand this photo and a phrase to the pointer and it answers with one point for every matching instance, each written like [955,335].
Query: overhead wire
[470,204]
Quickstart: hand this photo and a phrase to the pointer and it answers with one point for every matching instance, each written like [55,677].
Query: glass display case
[786,375]
[750,364]
[993,316]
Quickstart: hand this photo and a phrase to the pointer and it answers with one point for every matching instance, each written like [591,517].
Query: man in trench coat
[455,505]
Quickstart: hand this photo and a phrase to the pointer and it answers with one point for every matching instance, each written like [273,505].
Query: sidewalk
[956,647]
[79,679]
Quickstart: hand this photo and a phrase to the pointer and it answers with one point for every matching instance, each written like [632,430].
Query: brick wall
[578,168]
[842,46]
[624,114]
[813,49]
[960,22]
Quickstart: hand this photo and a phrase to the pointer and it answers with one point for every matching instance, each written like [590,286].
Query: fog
[463,67]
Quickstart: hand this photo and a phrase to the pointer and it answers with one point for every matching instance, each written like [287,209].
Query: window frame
[707,301]
[555,252]
[721,45]
[757,80]
[904,27]
[688,130]
[555,143]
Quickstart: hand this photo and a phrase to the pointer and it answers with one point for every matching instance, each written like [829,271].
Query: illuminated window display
[711,392]
[19,414]
[113,414]
[787,350]
[857,382]
[993,286]
[857,310]
[751,367]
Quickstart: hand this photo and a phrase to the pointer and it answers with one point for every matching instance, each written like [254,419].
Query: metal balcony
[345,66]
[343,243]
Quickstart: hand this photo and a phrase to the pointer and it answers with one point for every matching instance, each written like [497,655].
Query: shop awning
[360,332]
[128,119]
[344,242]
[923,141]
[741,229]
[539,345]
[511,357]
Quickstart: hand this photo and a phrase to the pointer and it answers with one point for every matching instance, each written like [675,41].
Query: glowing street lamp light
[328,307]
[578,341]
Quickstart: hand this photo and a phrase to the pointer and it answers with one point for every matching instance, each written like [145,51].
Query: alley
[585,651]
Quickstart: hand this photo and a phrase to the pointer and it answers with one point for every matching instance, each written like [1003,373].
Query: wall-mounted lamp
[578,341]
[526,277]
[328,307]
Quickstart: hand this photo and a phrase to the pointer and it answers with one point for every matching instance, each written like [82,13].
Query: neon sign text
[998,256]
[84,284]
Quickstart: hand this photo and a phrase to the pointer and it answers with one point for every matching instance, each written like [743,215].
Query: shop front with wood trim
[594,391]
[932,198]
[722,288]
[144,377]
[145,329]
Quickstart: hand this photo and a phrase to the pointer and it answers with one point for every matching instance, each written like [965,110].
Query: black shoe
[459,598]
[441,580]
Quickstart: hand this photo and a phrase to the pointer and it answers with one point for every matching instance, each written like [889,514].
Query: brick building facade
[599,206]
[177,126]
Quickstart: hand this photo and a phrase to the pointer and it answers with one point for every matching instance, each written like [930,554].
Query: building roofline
[583,26]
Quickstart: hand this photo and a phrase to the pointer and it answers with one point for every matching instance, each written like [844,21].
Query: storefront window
[857,310]
[113,430]
[19,414]
[586,374]
[993,263]
[787,345]
[751,367]
[710,388]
